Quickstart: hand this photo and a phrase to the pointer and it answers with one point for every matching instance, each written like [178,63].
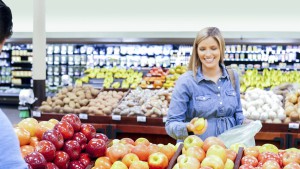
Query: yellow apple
[229,164]
[199,124]
[213,161]
[139,165]
[129,158]
[235,147]
[217,150]
[270,148]
[196,152]
[189,162]
[192,140]
[118,165]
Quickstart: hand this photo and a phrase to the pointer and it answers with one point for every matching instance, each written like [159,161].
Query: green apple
[213,161]
[270,148]
[229,164]
[235,147]
[118,165]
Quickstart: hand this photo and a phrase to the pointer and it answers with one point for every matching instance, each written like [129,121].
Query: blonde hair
[203,34]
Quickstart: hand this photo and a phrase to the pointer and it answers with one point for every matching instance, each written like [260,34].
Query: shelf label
[36,114]
[141,118]
[116,117]
[293,125]
[83,116]
[164,119]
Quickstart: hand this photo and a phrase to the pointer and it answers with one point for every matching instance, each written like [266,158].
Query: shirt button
[221,103]
[219,87]
[219,80]
[219,95]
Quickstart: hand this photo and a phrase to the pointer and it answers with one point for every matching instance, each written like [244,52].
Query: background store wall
[161,16]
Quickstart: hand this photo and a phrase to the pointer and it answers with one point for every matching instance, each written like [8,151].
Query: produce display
[152,103]
[263,105]
[292,105]
[70,100]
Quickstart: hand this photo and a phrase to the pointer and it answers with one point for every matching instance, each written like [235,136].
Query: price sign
[36,114]
[293,125]
[164,119]
[116,117]
[83,116]
[141,118]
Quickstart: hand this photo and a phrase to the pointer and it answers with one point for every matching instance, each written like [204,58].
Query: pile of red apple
[268,156]
[139,154]
[69,145]
[157,71]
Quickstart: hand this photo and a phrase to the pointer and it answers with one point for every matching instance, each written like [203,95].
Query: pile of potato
[152,103]
[70,100]
[105,102]
[284,89]
[292,106]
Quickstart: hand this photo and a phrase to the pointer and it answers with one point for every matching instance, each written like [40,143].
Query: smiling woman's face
[209,53]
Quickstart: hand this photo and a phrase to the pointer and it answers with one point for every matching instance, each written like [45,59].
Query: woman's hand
[190,126]
[247,121]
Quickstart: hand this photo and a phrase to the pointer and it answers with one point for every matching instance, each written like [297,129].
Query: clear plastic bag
[241,134]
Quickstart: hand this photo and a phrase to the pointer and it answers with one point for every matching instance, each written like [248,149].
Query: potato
[66,100]
[70,88]
[76,111]
[45,108]
[88,96]
[106,110]
[99,112]
[72,104]
[95,92]
[44,103]
[57,109]
[84,102]
[68,109]
[71,95]
[49,100]
[84,109]
[59,102]
[77,106]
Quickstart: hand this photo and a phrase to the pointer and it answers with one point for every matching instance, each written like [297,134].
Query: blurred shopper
[10,154]
[207,90]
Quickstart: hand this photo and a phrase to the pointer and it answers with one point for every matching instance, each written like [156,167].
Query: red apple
[292,165]
[84,159]
[76,165]
[74,120]
[265,156]
[65,129]
[153,148]
[81,139]
[142,151]
[289,157]
[168,150]
[246,166]
[61,160]
[230,154]
[117,152]
[158,161]
[271,164]
[96,148]
[51,166]
[47,149]
[54,137]
[29,166]
[101,136]
[212,141]
[73,149]
[250,160]
[88,130]
[253,151]
[36,160]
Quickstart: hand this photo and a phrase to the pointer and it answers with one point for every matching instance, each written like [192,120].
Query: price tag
[83,116]
[293,125]
[164,119]
[36,114]
[141,118]
[116,117]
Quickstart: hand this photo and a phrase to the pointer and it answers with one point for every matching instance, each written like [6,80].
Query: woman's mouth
[209,60]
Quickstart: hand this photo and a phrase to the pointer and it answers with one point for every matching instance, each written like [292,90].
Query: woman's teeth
[209,60]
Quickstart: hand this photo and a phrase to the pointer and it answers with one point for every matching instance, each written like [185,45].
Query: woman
[205,91]
[10,153]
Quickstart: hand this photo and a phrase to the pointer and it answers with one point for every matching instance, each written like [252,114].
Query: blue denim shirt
[219,103]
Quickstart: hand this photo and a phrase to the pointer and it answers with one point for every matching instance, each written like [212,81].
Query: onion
[277,121]
[255,115]
[251,109]
[263,116]
[272,115]
[281,116]
[269,121]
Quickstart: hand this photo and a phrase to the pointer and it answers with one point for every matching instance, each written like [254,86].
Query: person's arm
[239,116]
[175,125]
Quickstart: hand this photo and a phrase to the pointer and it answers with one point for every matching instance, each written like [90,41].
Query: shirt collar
[200,76]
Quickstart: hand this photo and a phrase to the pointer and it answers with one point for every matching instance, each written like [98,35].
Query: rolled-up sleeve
[239,117]
[175,123]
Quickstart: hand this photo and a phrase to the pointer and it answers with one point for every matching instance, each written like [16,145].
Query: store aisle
[12,113]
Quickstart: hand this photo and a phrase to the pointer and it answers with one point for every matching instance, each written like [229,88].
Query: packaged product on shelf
[56,59]
[49,59]
[77,58]
[50,70]
[63,59]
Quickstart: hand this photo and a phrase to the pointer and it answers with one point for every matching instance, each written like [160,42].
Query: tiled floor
[12,113]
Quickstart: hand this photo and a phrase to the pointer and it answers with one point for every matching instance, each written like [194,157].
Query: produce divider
[238,158]
[175,156]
